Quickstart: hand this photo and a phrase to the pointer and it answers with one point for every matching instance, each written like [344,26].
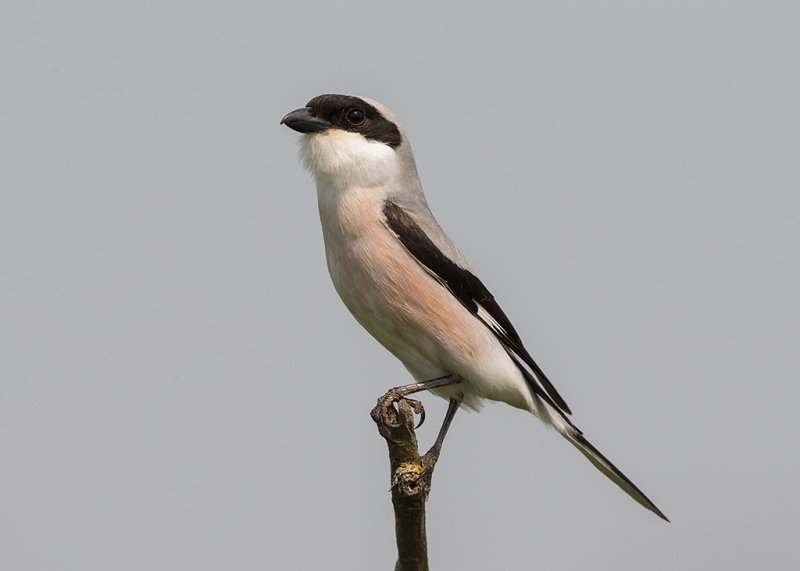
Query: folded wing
[473,295]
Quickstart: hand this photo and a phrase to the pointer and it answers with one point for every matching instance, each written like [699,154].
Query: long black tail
[612,472]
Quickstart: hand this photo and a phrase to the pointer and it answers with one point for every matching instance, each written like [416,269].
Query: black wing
[471,292]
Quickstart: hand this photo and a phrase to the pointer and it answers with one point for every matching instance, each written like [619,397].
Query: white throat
[342,158]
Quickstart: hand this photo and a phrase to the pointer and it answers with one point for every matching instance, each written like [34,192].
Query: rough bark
[409,489]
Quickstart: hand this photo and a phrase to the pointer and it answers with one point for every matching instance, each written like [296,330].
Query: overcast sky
[181,388]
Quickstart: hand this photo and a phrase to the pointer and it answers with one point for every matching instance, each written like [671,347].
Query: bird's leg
[379,413]
[431,456]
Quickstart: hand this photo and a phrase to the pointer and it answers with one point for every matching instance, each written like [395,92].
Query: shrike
[408,285]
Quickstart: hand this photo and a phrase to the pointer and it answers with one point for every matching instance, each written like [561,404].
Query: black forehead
[332,108]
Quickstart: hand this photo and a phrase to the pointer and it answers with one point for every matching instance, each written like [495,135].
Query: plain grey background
[180,387]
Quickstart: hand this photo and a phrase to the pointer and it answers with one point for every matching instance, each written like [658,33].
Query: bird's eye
[355,116]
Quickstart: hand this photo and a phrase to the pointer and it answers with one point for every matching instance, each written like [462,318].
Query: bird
[407,283]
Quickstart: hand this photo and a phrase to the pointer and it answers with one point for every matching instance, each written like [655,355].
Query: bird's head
[348,139]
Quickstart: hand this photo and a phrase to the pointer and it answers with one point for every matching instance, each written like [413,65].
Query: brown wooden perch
[410,487]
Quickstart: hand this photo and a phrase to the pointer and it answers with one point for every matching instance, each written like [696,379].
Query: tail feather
[544,408]
[612,472]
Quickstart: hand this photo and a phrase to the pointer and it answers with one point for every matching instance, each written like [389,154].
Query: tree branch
[409,489]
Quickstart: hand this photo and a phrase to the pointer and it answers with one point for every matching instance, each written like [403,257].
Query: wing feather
[470,291]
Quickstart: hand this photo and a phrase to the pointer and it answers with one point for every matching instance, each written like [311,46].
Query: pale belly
[400,305]
[415,317]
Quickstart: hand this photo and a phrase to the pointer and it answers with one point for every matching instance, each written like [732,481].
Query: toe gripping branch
[411,474]
[397,427]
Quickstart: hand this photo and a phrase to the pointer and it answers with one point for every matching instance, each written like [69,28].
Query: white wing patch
[490,321]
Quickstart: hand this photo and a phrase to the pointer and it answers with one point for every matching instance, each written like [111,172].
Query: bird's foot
[386,417]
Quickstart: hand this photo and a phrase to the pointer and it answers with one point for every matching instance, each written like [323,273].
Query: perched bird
[405,281]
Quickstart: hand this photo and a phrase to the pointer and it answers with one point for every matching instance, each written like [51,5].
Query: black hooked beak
[302,121]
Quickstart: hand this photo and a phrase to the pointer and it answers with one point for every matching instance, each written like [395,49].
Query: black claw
[379,414]
[383,405]
[421,416]
[417,407]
